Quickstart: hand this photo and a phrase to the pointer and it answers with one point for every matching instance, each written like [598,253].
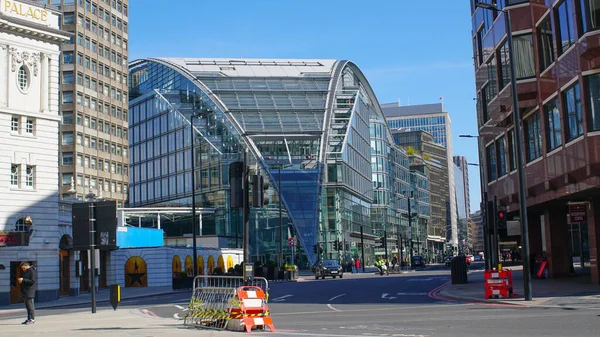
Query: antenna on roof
[399,104]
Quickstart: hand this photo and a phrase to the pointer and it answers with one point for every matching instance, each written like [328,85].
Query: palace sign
[24,11]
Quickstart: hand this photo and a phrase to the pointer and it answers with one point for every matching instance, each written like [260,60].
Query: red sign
[291,242]
[578,213]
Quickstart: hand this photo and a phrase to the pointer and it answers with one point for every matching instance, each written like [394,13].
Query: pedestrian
[28,287]
[357,265]
[353,264]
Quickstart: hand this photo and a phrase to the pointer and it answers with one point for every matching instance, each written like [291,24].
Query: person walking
[357,265]
[28,288]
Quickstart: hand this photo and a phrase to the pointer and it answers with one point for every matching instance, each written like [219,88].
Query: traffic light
[260,189]
[340,247]
[236,170]
[359,245]
[335,245]
[502,217]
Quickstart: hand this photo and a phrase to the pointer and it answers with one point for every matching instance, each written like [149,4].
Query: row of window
[97,124]
[93,143]
[94,8]
[16,122]
[94,66]
[95,163]
[20,179]
[94,104]
[101,49]
[94,182]
[563,118]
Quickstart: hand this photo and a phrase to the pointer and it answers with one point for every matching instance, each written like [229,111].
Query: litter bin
[458,270]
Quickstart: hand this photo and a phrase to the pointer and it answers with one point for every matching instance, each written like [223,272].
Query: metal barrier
[215,302]
[222,281]
[211,307]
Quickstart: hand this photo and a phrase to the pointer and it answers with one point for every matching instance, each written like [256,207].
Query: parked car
[328,268]
[478,257]
[470,258]
[418,262]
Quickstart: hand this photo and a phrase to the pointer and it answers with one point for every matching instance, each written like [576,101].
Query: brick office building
[557,61]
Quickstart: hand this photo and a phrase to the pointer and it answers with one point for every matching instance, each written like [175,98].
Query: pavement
[569,293]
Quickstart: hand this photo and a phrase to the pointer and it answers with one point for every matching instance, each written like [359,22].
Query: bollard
[115,295]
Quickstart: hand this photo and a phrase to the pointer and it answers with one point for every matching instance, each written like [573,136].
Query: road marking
[332,308]
[338,296]
[179,307]
[384,295]
[281,298]
[411,294]
[176,316]
[148,312]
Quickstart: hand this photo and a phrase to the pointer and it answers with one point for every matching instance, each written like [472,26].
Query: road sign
[291,242]
[577,212]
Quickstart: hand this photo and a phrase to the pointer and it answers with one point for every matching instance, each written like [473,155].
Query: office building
[435,120]
[556,59]
[429,158]
[30,37]
[462,215]
[462,163]
[94,148]
[314,125]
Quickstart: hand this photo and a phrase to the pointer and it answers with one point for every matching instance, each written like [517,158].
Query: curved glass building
[313,128]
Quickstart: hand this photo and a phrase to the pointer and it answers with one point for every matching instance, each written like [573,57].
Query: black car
[328,268]
[418,262]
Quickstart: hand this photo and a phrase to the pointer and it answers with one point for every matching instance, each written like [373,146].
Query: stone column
[44,83]
[594,239]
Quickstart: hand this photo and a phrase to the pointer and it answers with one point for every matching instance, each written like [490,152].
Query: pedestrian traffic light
[359,245]
[260,187]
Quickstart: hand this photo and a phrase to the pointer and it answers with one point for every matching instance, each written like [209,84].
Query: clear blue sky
[413,50]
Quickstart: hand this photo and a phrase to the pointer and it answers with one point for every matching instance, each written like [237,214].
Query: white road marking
[332,308]
[176,316]
[338,296]
[179,307]
[281,298]
[384,295]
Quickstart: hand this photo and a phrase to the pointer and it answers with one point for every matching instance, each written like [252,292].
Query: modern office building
[462,215]
[429,158]
[313,125]
[478,245]
[435,120]
[94,149]
[30,37]
[463,165]
[556,59]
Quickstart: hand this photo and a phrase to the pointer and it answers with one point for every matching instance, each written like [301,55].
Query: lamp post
[92,229]
[520,162]
[194,224]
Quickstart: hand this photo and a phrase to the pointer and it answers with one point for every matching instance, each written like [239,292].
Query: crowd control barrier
[217,300]
[498,284]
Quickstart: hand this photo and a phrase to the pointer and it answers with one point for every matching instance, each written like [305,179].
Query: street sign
[513,228]
[577,212]
[291,242]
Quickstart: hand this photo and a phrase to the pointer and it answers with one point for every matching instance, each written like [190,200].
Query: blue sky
[415,51]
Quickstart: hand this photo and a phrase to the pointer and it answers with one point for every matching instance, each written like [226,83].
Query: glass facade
[310,135]
[435,125]
[461,209]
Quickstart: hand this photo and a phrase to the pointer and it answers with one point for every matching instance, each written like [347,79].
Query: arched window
[22,225]
[23,78]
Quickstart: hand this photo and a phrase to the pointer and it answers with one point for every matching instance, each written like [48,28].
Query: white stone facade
[29,125]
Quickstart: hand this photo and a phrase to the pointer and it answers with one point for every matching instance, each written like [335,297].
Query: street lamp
[520,162]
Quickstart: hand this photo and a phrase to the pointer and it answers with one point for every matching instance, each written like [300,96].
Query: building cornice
[36,31]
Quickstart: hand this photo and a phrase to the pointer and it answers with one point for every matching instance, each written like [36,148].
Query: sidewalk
[105,323]
[102,295]
[574,292]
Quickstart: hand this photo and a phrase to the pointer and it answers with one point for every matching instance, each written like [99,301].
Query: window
[69,18]
[593,106]
[29,175]
[79,139]
[23,78]
[67,158]
[566,26]
[504,66]
[546,44]
[67,77]
[66,179]
[14,174]
[67,138]
[67,118]
[533,136]
[512,150]
[591,18]
[572,109]
[554,137]
[29,126]
[79,160]
[14,124]
[523,52]
[67,97]
[491,159]
[67,57]
[492,86]
[501,154]
[86,161]
[80,78]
